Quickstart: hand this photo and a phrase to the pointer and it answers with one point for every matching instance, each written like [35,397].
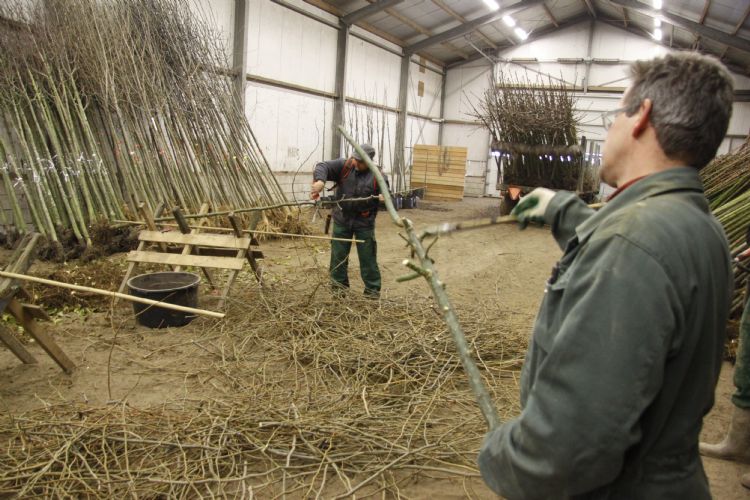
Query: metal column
[239,48]
[399,159]
[441,126]
[340,102]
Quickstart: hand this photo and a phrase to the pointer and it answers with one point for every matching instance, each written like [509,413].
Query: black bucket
[171,287]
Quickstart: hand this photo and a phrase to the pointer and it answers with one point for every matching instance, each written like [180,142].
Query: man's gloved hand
[316,188]
[532,207]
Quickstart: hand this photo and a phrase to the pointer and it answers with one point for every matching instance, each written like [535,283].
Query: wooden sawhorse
[27,314]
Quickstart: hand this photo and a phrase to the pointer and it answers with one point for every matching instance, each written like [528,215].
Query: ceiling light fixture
[657,34]
[492,4]
[657,4]
[657,22]
[520,33]
[509,21]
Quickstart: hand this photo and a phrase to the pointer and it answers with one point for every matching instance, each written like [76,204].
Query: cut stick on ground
[165,305]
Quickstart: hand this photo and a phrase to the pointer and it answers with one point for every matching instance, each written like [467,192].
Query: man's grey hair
[691,97]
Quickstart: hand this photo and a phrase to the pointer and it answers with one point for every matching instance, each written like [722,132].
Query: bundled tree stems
[534,134]
[104,105]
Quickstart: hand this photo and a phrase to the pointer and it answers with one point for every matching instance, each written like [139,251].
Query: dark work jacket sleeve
[564,213]
[329,170]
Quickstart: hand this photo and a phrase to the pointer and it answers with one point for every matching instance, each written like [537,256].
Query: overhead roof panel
[722,15]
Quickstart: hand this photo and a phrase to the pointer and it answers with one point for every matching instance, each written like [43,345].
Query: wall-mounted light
[520,33]
[492,4]
[509,21]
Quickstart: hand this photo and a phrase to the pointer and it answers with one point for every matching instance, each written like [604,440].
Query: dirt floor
[499,268]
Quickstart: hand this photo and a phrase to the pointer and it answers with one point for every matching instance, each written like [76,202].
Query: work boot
[736,445]
[745,480]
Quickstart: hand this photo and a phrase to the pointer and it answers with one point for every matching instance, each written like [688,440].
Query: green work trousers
[741,397]
[367,253]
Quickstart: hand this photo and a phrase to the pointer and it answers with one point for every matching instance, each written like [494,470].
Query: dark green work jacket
[626,351]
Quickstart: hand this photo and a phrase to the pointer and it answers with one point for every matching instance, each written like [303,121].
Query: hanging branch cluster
[533,128]
[423,267]
[107,104]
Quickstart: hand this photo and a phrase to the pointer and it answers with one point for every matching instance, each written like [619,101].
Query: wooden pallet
[440,170]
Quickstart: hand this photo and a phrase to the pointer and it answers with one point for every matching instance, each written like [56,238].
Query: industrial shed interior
[148,140]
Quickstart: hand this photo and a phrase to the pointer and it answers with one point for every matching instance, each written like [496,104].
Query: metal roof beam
[705,11]
[591,8]
[734,67]
[461,18]
[741,21]
[419,28]
[551,17]
[535,35]
[471,25]
[371,9]
[687,24]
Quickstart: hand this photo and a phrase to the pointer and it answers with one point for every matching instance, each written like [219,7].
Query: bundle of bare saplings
[105,105]
[533,128]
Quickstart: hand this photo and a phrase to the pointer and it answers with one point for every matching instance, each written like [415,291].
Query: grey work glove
[532,207]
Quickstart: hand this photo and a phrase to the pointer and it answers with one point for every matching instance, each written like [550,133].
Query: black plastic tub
[171,287]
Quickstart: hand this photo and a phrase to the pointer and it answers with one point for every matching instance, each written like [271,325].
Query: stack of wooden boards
[440,170]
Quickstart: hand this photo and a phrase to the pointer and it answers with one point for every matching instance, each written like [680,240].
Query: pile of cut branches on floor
[533,128]
[310,396]
[104,105]
[726,181]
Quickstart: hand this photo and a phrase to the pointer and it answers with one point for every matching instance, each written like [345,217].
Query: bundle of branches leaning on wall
[106,105]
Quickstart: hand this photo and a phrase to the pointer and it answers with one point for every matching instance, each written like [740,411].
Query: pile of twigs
[104,105]
[726,181]
[309,396]
[533,128]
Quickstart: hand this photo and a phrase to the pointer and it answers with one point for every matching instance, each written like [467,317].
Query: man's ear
[643,116]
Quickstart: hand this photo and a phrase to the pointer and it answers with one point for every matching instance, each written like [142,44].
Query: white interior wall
[372,74]
[294,128]
[287,46]
[465,83]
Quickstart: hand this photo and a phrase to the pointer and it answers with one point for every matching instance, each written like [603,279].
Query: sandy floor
[499,266]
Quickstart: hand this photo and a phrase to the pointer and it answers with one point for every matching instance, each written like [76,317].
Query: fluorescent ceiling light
[520,33]
[657,34]
[492,4]
[657,22]
[509,21]
[657,4]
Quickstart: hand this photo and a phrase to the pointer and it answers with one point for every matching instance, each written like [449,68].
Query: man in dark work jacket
[352,219]
[627,345]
